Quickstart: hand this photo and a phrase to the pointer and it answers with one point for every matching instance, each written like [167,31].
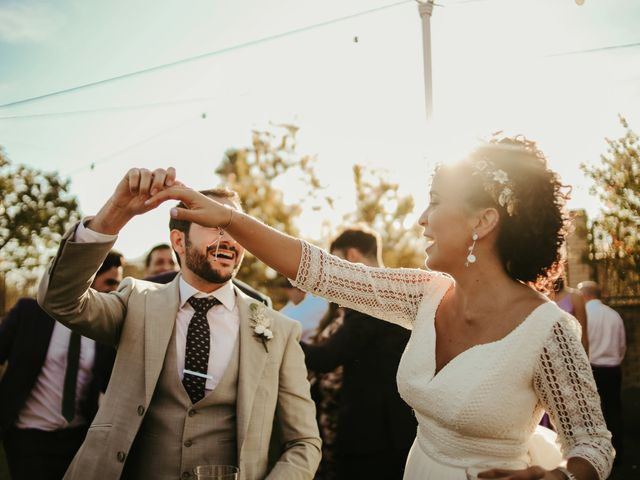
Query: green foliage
[615,233]
[255,172]
[35,210]
[259,171]
[380,206]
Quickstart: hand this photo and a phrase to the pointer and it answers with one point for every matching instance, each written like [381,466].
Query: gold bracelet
[224,227]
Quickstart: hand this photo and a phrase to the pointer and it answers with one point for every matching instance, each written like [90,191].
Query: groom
[193,383]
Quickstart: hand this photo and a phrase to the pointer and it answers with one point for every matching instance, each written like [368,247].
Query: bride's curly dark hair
[530,240]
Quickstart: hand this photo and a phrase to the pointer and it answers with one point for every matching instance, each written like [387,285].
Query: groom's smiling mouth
[222,253]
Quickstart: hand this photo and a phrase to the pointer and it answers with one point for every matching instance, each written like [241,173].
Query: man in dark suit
[50,390]
[375,428]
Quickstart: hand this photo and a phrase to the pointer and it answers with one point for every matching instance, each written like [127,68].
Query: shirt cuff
[86,235]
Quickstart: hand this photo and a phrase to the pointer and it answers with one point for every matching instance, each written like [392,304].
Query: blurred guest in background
[608,345]
[159,260]
[571,300]
[49,393]
[375,427]
[306,309]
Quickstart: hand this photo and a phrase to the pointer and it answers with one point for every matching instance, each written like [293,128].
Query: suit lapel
[253,358]
[161,309]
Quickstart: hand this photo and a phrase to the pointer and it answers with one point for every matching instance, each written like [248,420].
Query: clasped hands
[142,190]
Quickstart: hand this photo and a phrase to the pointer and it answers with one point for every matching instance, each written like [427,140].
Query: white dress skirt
[544,450]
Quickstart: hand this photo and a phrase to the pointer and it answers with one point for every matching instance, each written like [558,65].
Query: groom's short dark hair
[221,192]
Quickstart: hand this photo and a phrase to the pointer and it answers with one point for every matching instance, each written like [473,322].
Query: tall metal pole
[425,7]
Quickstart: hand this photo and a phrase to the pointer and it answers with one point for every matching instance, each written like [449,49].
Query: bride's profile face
[447,224]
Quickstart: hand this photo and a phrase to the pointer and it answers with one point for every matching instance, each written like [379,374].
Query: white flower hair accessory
[260,324]
[496,183]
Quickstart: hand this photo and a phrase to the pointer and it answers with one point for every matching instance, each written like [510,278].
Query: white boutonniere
[260,324]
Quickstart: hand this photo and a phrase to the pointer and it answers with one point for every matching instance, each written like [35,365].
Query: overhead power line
[461,2]
[201,56]
[117,108]
[230,49]
[116,153]
[207,99]
[597,49]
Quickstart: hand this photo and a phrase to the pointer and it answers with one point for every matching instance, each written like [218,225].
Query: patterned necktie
[196,361]
[71,378]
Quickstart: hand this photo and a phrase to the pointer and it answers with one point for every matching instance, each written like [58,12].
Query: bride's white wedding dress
[485,404]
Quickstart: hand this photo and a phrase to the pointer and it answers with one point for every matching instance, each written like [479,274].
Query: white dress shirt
[605,327]
[224,320]
[224,326]
[43,407]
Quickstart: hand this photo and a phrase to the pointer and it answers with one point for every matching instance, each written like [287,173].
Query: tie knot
[202,305]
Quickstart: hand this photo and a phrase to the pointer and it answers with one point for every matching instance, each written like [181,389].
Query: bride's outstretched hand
[199,209]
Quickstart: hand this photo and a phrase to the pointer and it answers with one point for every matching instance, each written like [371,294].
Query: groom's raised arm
[65,292]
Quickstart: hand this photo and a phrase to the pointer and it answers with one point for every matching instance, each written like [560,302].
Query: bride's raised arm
[390,294]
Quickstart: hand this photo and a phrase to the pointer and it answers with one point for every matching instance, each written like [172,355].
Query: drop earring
[471,258]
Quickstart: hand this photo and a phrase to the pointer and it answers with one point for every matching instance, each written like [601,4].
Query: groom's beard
[199,264]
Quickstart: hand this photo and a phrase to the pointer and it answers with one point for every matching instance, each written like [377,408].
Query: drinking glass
[474,470]
[216,472]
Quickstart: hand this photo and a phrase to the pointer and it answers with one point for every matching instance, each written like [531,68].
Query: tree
[255,173]
[35,210]
[615,232]
[380,206]
[258,171]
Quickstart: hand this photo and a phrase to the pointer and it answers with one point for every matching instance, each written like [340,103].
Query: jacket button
[186,475]
[121,456]
[192,412]
[140,410]
[188,443]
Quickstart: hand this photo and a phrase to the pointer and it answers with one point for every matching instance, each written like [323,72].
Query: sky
[554,71]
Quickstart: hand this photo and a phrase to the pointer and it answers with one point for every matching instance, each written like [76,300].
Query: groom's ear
[178,242]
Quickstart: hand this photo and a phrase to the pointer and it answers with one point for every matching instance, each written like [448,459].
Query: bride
[488,352]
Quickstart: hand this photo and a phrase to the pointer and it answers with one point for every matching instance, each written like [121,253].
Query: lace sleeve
[565,386]
[391,294]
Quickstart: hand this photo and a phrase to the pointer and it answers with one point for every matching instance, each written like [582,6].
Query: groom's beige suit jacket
[139,320]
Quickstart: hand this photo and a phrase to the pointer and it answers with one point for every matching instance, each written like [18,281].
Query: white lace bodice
[487,401]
